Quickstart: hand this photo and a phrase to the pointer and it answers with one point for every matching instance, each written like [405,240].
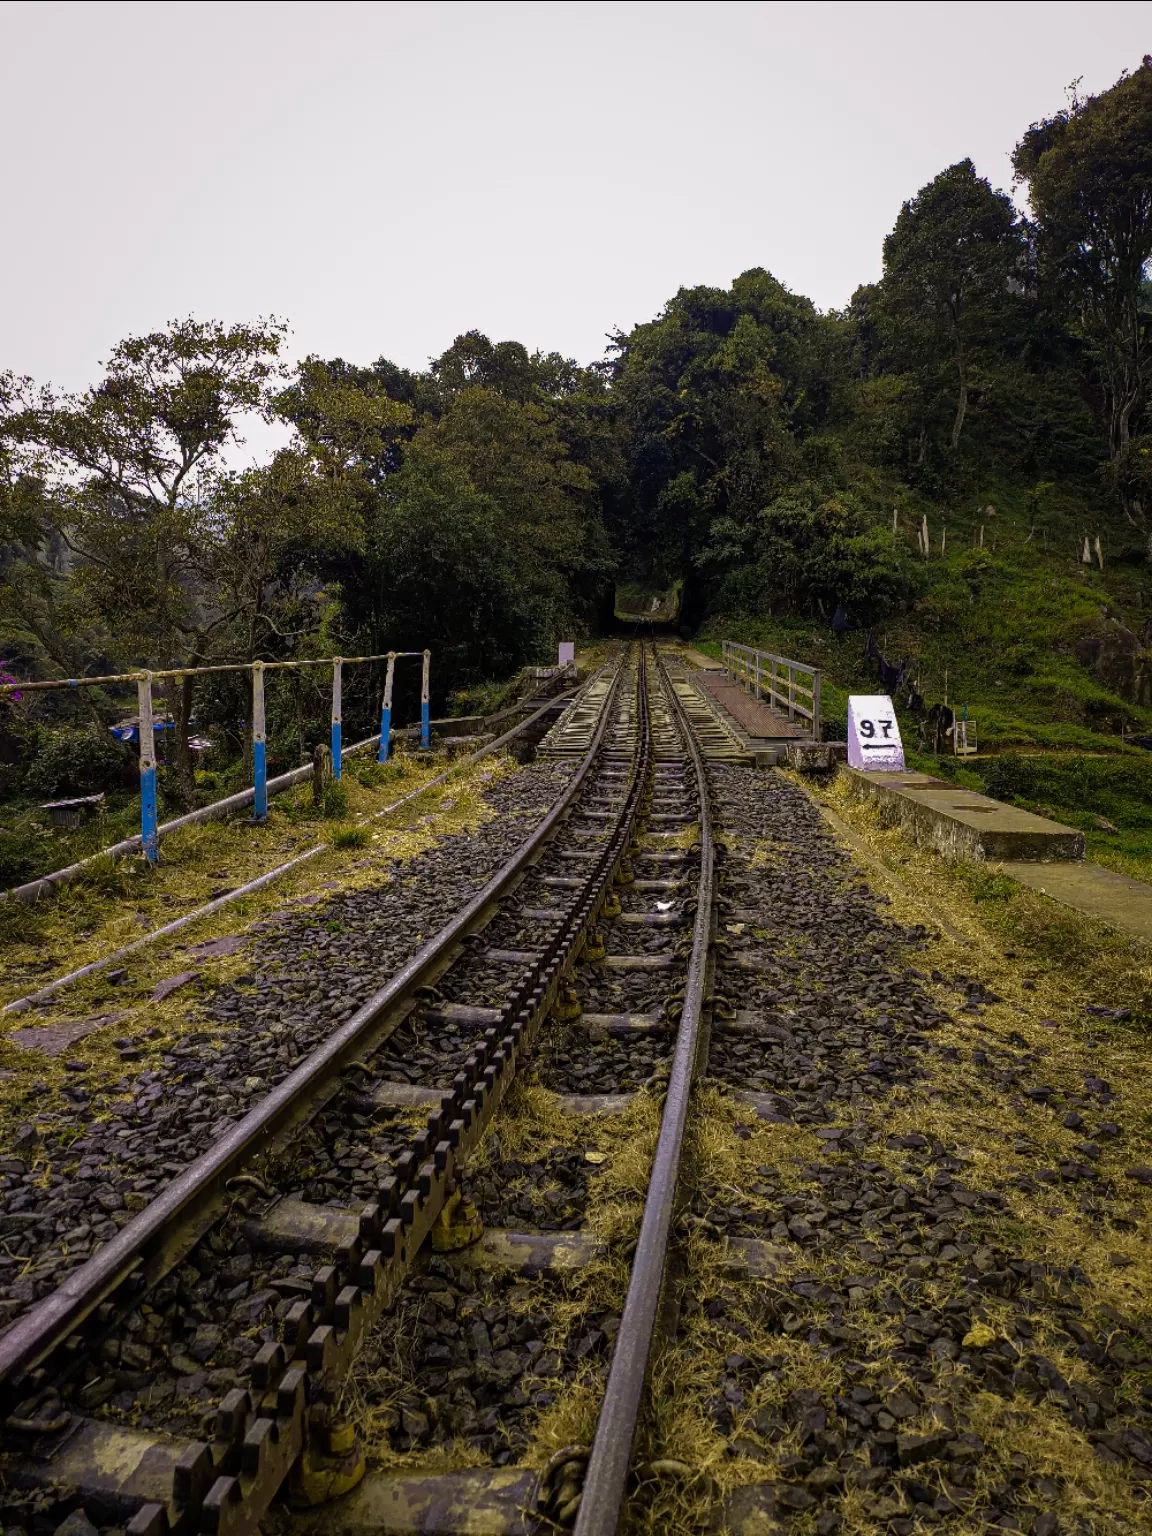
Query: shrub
[375,775]
[75,760]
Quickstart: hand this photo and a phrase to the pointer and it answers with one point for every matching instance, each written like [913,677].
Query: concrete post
[337,694]
[259,750]
[386,711]
[147,769]
[425,709]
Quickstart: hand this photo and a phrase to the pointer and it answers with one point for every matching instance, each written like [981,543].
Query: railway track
[632,1201]
[489,982]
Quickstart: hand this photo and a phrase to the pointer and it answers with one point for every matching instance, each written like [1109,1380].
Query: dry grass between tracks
[385,1377]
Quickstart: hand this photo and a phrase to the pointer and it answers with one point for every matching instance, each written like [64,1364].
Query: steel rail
[145,1244]
[225,1488]
[602,1499]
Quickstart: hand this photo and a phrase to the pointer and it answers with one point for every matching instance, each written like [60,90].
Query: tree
[42,616]
[130,465]
[274,531]
[712,398]
[1088,171]
[811,549]
[489,509]
[21,468]
[949,265]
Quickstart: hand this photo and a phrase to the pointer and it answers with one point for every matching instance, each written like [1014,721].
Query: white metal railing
[790,686]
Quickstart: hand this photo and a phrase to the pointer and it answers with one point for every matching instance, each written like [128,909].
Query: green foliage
[21,854]
[709,396]
[986,885]
[947,269]
[334,801]
[350,837]
[808,551]
[374,775]
[1089,177]
[764,461]
[1118,789]
[74,761]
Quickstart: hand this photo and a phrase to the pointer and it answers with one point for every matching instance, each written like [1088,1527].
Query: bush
[1119,788]
[834,727]
[376,775]
[75,760]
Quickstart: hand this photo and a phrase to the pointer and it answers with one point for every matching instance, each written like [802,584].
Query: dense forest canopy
[741,443]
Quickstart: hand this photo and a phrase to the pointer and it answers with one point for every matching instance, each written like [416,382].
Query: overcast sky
[384,176]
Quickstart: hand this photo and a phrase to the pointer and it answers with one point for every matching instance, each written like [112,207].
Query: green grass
[350,837]
[993,628]
[996,631]
[31,846]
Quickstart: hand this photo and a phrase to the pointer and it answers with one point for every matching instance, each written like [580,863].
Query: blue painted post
[337,689]
[147,769]
[386,711]
[259,749]
[425,712]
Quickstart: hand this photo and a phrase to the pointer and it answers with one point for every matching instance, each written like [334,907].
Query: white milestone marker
[874,734]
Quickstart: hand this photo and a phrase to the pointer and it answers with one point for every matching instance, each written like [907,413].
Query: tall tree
[948,267]
[1088,171]
[130,467]
[711,398]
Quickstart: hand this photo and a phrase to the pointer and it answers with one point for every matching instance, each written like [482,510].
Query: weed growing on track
[350,837]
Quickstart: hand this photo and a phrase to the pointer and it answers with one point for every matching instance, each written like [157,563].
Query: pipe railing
[144,680]
[777,680]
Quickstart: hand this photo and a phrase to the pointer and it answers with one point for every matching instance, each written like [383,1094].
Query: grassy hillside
[1010,631]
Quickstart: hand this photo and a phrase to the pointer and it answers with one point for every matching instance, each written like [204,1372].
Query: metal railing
[258,796]
[792,687]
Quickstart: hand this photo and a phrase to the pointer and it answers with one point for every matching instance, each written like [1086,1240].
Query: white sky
[385,176]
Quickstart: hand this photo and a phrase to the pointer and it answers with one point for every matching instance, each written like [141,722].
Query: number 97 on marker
[874,742]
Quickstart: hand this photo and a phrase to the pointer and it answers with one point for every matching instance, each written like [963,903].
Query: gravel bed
[577,1063]
[547,1195]
[922,1358]
[177,1356]
[465,1355]
[108,1151]
[473,1357]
